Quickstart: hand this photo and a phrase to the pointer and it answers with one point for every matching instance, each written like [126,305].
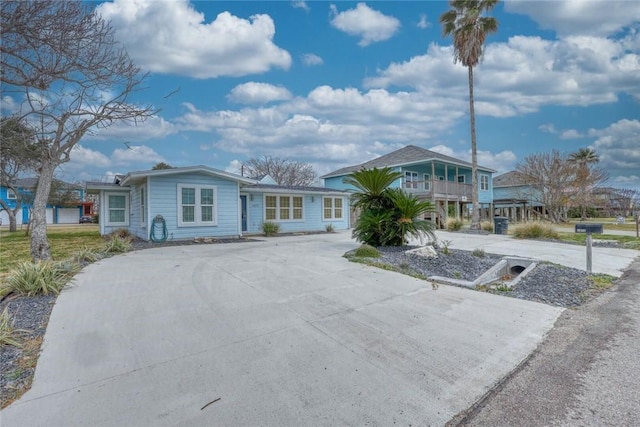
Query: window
[196,205]
[143,207]
[484,182]
[410,179]
[461,179]
[117,209]
[283,208]
[11,194]
[331,208]
[427,182]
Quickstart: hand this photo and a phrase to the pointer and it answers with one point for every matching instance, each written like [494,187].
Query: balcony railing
[439,189]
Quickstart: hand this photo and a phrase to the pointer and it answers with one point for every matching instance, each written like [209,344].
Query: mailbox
[589,228]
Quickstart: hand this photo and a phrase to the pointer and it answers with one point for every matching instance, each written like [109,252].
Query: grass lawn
[610,223]
[628,242]
[64,240]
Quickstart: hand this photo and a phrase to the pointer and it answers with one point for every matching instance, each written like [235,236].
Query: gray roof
[509,179]
[408,155]
[291,188]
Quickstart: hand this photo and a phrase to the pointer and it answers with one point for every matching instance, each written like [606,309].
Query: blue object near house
[54,214]
[515,199]
[200,201]
[444,180]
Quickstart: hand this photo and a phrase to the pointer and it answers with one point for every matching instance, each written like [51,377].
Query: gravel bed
[547,283]
[30,314]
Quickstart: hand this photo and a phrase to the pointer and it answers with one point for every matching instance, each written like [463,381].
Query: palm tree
[469,30]
[389,215]
[583,158]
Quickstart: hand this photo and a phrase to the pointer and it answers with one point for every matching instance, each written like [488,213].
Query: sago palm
[469,28]
[371,185]
[407,222]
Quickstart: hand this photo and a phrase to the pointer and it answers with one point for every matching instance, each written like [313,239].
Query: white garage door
[49,216]
[4,217]
[68,215]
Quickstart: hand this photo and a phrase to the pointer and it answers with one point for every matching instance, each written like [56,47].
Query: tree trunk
[39,241]
[475,216]
[11,213]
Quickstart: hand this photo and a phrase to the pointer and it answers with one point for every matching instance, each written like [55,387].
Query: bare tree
[18,155]
[551,177]
[62,62]
[283,171]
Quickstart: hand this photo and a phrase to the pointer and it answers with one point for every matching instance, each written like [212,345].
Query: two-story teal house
[22,191]
[444,180]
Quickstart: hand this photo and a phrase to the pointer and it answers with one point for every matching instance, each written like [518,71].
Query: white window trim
[411,183]
[333,208]
[143,205]
[277,218]
[11,195]
[427,181]
[197,210]
[107,222]
[484,177]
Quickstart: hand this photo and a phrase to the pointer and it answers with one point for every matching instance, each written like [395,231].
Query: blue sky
[339,83]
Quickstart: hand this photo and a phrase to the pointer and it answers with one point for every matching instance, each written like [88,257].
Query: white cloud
[336,126]
[310,59]
[234,166]
[369,24]
[618,147]
[153,128]
[301,4]
[136,154]
[571,134]
[627,179]
[258,93]
[525,73]
[592,17]
[172,37]
[423,22]
[548,128]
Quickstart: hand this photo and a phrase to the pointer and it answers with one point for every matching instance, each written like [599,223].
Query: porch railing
[438,189]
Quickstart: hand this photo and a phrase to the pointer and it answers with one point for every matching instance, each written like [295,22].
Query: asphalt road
[585,373]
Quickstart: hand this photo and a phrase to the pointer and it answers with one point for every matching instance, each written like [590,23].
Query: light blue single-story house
[514,198]
[200,201]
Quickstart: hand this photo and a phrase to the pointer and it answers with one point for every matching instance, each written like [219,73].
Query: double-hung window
[283,208]
[484,182]
[410,179]
[117,208]
[196,205]
[11,194]
[427,182]
[143,206]
[332,208]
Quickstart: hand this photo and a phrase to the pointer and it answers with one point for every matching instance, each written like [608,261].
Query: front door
[243,202]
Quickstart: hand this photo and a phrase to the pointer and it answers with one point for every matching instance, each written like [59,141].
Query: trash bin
[500,224]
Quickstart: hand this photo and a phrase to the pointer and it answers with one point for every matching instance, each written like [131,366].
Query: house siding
[104,228]
[163,200]
[312,214]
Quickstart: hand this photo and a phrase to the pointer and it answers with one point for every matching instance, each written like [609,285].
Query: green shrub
[454,224]
[8,334]
[329,228]
[117,245]
[270,228]
[86,254]
[535,230]
[487,226]
[96,219]
[479,253]
[40,278]
[367,251]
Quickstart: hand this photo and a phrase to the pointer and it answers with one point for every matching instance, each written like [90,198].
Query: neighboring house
[515,199]
[444,180]
[201,201]
[55,214]
[609,201]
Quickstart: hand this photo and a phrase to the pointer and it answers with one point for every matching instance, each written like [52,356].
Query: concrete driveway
[282,332]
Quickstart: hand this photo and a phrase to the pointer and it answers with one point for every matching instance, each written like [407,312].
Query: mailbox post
[589,229]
